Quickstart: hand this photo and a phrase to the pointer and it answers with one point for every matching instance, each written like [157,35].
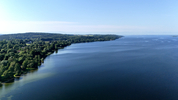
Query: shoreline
[28,69]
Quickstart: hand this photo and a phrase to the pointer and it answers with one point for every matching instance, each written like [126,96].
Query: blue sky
[89,16]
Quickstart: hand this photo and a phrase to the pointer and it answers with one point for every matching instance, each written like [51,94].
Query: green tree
[24,64]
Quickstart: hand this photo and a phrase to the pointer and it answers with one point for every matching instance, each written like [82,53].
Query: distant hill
[56,37]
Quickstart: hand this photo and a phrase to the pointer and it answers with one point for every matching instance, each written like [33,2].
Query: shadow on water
[17,78]
[17,82]
[11,81]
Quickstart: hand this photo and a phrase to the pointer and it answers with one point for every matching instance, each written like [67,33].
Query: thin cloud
[62,26]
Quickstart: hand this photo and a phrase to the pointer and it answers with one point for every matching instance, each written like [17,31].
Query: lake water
[130,68]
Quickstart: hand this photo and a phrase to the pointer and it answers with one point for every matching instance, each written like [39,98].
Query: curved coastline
[46,54]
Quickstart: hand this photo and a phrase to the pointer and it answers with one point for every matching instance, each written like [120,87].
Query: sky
[125,17]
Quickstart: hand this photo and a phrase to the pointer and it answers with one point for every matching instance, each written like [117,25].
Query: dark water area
[130,68]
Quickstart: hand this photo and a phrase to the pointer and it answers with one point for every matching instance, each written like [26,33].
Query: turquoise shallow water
[133,67]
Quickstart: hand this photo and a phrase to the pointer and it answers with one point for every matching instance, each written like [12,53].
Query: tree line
[20,53]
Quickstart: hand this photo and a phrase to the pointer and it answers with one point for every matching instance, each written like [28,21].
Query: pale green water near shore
[133,67]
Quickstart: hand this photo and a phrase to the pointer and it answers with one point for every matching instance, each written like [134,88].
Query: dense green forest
[20,53]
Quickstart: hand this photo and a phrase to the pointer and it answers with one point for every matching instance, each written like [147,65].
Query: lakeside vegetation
[20,53]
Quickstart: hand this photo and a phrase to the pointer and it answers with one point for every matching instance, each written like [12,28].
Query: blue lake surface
[130,68]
